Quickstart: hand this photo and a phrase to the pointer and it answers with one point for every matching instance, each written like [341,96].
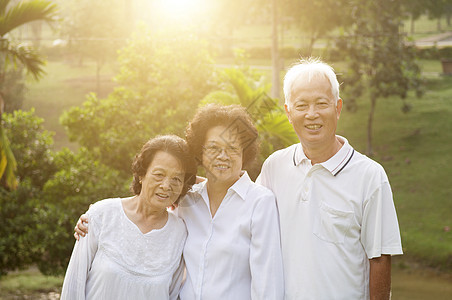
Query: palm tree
[12,16]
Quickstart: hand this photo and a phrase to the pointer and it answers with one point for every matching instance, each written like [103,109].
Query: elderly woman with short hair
[233,246]
[134,247]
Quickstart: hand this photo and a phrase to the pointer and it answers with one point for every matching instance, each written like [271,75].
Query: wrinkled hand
[81,229]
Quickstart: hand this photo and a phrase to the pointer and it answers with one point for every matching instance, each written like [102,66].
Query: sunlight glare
[179,9]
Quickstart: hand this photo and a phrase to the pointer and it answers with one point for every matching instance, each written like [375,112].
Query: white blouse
[236,254]
[117,261]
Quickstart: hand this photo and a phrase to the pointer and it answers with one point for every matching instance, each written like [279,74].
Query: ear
[286,108]
[339,107]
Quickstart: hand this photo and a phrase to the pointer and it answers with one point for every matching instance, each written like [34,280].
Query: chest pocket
[332,225]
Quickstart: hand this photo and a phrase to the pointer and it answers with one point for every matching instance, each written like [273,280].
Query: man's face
[313,112]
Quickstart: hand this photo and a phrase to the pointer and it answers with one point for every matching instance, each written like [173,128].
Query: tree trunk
[373,102]
[438,24]
[98,77]
[412,24]
[275,54]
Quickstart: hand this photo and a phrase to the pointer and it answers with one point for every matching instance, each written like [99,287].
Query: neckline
[135,225]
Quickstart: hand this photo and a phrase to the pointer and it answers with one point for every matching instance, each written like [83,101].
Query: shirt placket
[307,183]
[203,259]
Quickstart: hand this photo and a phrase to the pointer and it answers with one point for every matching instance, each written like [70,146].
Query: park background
[119,72]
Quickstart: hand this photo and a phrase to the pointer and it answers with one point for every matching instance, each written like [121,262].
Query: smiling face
[222,155]
[163,182]
[313,112]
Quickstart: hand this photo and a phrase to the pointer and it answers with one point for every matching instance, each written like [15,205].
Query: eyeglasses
[214,150]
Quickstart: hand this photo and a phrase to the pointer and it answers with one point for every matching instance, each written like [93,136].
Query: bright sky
[181,10]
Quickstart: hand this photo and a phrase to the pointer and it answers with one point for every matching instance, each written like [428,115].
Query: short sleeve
[380,227]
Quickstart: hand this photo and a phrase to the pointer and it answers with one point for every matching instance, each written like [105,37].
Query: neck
[216,190]
[322,153]
[138,206]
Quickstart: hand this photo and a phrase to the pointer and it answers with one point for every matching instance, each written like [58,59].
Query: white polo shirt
[334,216]
[235,255]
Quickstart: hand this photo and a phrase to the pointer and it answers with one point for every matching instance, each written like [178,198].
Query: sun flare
[176,9]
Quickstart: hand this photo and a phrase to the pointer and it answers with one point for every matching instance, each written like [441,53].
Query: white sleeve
[380,229]
[77,271]
[267,278]
[263,179]
[178,278]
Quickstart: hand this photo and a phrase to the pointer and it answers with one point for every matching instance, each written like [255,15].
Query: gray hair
[310,67]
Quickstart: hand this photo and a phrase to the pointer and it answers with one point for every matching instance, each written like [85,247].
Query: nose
[311,113]
[166,184]
[223,154]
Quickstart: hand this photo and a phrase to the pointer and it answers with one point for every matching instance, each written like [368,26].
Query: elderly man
[339,226]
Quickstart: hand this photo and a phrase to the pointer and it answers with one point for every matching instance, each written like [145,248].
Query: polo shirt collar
[240,187]
[335,164]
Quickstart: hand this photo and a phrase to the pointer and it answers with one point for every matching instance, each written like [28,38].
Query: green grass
[425,26]
[415,148]
[30,283]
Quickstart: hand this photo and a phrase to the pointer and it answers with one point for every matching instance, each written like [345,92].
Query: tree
[13,16]
[379,60]
[93,30]
[414,9]
[159,89]
[437,9]
[316,18]
[80,181]
[31,145]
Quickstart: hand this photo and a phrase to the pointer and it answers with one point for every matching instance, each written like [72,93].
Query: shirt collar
[339,160]
[240,187]
[335,164]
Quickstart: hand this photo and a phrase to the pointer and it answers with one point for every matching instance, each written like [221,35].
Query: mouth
[313,126]
[221,166]
[162,196]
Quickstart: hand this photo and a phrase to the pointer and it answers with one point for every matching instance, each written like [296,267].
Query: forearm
[380,278]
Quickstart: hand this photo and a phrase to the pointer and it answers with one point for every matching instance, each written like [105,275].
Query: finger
[84,218]
[76,236]
[81,229]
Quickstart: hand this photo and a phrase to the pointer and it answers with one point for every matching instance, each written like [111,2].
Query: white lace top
[117,261]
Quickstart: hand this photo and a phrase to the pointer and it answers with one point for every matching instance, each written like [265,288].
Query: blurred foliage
[13,15]
[54,189]
[31,146]
[379,60]
[17,224]
[80,181]
[159,89]
[315,19]
[95,29]
[12,87]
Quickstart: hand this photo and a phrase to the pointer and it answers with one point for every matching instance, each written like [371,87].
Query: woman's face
[222,155]
[164,180]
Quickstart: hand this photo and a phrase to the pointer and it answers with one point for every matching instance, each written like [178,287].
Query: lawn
[65,85]
[415,148]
